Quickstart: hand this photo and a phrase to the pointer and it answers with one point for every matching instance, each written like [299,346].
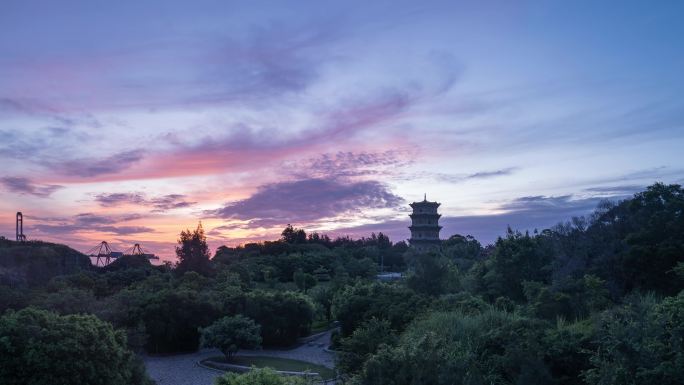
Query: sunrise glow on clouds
[129,123]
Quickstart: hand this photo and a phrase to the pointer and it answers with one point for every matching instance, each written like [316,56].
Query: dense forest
[594,300]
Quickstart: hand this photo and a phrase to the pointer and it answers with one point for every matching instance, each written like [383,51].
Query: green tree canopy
[641,342]
[38,347]
[229,334]
[494,347]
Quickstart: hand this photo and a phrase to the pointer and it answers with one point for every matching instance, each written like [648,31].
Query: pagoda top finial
[425,197]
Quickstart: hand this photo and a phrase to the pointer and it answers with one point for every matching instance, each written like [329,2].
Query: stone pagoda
[425,225]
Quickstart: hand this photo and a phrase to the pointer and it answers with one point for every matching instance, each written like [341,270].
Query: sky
[128,122]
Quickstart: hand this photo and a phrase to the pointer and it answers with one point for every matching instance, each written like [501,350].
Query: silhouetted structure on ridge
[425,225]
[20,227]
[104,254]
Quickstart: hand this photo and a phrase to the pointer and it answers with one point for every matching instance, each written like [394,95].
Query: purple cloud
[115,199]
[160,204]
[308,200]
[88,222]
[90,167]
[350,164]
[26,186]
[169,202]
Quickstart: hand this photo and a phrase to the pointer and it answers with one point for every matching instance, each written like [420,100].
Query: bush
[264,376]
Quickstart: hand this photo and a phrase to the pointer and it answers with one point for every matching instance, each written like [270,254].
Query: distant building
[425,225]
[389,276]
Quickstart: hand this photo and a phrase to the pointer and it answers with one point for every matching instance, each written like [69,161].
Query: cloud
[168,202]
[308,200]
[160,204]
[459,178]
[26,186]
[616,190]
[88,222]
[346,164]
[90,167]
[116,199]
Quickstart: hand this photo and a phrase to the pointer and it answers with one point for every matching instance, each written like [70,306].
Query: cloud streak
[159,204]
[22,185]
[92,167]
[88,223]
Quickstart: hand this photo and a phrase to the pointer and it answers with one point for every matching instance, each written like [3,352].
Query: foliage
[34,263]
[229,334]
[322,296]
[432,275]
[464,251]
[193,252]
[292,235]
[643,240]
[452,348]
[304,281]
[363,301]
[171,315]
[363,342]
[568,347]
[38,347]
[641,342]
[264,376]
[283,316]
[516,258]
[67,301]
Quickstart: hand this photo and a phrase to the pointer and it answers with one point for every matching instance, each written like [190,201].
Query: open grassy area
[276,363]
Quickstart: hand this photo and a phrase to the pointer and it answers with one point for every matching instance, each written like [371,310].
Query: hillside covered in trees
[595,300]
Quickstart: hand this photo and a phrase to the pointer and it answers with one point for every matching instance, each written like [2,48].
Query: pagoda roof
[425,203]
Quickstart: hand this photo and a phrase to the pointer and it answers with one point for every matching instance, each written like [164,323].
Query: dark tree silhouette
[193,252]
[293,235]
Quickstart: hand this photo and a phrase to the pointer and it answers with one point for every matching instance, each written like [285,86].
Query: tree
[304,281]
[293,235]
[263,376]
[640,241]
[515,259]
[193,252]
[323,296]
[38,347]
[363,342]
[432,274]
[171,315]
[229,334]
[396,304]
[283,316]
[641,342]
[464,251]
[494,347]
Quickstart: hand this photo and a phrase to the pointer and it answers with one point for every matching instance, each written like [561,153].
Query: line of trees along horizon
[595,300]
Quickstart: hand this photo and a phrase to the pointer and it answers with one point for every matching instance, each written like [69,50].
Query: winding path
[182,369]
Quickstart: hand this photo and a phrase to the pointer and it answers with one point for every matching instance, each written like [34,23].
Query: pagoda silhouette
[425,225]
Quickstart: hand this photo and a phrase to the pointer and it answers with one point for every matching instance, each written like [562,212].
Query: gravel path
[182,369]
